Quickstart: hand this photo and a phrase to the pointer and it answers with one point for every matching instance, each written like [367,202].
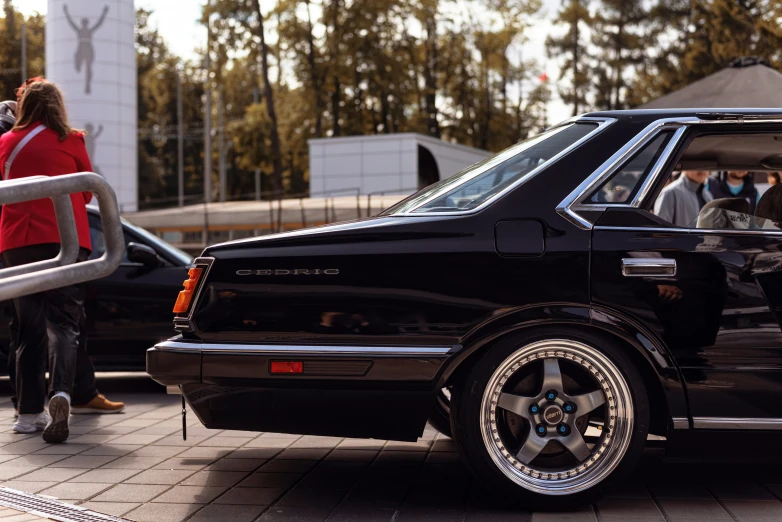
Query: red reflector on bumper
[287,367]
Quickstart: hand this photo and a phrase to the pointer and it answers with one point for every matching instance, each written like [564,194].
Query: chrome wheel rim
[568,457]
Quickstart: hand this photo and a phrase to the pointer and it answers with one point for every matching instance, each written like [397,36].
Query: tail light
[186,296]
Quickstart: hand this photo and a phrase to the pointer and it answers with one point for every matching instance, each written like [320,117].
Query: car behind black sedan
[534,301]
[129,310]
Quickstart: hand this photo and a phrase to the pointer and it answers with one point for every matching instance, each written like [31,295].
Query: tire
[440,418]
[495,424]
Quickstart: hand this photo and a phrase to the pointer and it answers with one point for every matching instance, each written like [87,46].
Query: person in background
[43,143]
[86,397]
[682,200]
[734,184]
[773,178]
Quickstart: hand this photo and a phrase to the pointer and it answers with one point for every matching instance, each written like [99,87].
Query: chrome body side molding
[304,350]
[736,423]
[680,423]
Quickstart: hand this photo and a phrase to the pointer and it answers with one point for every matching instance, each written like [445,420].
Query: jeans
[50,323]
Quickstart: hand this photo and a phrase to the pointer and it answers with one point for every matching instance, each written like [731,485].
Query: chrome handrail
[62,270]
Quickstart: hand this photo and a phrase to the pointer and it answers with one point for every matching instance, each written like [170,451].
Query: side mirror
[143,254]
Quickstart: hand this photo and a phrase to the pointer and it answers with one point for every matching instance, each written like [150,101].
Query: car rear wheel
[552,419]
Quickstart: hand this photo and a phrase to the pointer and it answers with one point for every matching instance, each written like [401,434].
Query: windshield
[183,257]
[471,187]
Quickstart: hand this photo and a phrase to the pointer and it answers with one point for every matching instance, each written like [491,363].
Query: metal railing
[62,270]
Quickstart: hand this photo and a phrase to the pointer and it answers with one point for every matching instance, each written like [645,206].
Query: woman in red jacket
[28,232]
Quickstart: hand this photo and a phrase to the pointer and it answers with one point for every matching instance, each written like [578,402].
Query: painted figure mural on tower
[85,52]
[90,138]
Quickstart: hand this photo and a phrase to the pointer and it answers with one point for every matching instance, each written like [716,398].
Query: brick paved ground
[137,466]
[11,515]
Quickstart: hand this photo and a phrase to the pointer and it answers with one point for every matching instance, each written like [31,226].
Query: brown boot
[98,404]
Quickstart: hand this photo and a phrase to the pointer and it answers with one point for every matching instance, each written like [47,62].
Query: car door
[130,310]
[713,296]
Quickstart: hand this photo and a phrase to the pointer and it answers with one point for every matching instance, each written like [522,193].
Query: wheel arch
[661,377]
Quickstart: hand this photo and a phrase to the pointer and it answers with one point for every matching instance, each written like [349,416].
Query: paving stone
[700,509]
[28,487]
[295,514]
[22,517]
[157,451]
[226,513]
[8,473]
[159,512]
[352,455]
[105,476]
[288,466]
[129,462]
[252,496]
[565,516]
[214,478]
[740,490]
[302,454]
[421,445]
[627,507]
[221,440]
[433,514]
[53,474]
[268,442]
[205,452]
[91,438]
[231,464]
[194,464]
[270,480]
[191,495]
[23,447]
[33,460]
[75,490]
[316,442]
[134,438]
[83,461]
[116,509]
[112,449]
[131,493]
[255,453]
[176,440]
[159,476]
[64,449]
[755,510]
[690,491]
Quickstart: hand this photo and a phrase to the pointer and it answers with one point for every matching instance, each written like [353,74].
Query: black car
[130,310]
[534,298]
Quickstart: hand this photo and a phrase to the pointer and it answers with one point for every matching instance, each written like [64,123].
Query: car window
[99,242]
[722,218]
[622,186]
[475,185]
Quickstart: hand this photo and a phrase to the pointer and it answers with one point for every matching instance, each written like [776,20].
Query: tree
[575,68]
[11,49]
[620,36]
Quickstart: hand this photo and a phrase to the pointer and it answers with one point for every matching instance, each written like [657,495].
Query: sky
[178,23]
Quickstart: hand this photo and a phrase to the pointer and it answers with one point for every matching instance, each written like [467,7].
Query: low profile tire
[440,418]
[547,419]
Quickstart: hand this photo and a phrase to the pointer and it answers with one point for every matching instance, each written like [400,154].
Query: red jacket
[33,222]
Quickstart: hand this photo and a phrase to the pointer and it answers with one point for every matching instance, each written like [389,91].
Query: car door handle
[648,267]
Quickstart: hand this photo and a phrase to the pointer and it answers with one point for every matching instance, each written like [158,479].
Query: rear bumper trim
[303,350]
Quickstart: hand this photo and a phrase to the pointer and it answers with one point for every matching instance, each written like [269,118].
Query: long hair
[42,101]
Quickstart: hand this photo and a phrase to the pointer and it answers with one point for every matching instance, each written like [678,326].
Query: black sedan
[535,299]
[130,310]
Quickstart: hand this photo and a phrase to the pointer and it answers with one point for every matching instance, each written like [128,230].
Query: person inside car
[734,184]
[682,200]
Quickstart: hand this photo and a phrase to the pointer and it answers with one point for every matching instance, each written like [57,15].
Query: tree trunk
[336,94]
[269,96]
[430,77]
[315,76]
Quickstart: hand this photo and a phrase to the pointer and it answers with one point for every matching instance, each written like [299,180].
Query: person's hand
[669,293]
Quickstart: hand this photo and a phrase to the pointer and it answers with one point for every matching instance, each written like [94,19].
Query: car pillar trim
[736,423]
[305,350]
[651,179]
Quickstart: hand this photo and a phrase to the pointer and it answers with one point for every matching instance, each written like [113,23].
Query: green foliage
[11,48]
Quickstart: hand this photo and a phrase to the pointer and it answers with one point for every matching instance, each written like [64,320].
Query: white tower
[90,54]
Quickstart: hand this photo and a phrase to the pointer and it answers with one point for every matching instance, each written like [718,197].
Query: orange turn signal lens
[185,296]
[287,367]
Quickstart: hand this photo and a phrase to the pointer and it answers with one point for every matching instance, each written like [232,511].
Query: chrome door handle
[648,267]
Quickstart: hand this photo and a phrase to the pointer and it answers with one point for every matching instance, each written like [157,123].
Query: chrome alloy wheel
[557,417]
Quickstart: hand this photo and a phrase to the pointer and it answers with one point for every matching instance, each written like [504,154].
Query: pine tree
[575,68]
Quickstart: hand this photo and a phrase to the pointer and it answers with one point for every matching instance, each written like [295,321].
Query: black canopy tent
[746,82]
